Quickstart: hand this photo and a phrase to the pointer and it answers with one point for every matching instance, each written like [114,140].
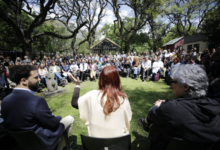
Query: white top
[147,64]
[43,72]
[156,66]
[74,67]
[93,66]
[100,125]
[54,69]
[85,66]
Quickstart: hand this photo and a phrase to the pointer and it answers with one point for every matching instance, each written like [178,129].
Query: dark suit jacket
[24,111]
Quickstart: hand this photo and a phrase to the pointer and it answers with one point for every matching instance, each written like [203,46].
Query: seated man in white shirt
[146,67]
[157,67]
[83,68]
[74,69]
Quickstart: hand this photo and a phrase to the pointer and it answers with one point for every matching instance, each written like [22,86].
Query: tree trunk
[126,48]
[27,48]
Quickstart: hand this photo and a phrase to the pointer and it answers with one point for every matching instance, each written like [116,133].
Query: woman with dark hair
[65,69]
[106,112]
[42,71]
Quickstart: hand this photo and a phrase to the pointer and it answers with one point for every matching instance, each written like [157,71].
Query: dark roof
[107,40]
[195,38]
[173,41]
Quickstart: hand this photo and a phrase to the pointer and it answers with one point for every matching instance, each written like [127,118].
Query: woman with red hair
[176,62]
[106,112]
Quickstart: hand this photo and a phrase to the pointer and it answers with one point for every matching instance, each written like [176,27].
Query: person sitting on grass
[190,116]
[106,112]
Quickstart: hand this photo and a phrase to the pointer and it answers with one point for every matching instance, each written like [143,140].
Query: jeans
[57,76]
[136,70]
[2,80]
[155,75]
[42,77]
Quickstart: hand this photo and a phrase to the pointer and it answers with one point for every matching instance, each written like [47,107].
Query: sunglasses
[172,81]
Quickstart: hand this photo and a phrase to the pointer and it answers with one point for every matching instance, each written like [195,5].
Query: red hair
[176,58]
[110,84]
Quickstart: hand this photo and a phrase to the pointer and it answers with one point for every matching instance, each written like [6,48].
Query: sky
[108,18]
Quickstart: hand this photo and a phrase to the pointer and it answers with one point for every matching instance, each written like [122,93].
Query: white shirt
[85,66]
[93,66]
[74,67]
[32,92]
[54,69]
[147,64]
[156,66]
[43,72]
[100,125]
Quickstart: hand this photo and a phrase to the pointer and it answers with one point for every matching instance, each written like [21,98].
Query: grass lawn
[142,95]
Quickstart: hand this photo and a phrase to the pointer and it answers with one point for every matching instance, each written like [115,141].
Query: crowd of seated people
[184,71]
[145,66]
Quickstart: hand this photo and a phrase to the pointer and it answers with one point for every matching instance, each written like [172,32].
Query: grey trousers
[68,123]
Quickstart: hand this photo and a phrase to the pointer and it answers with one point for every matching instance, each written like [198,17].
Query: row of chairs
[28,140]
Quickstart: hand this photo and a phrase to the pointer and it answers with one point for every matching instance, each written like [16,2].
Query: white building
[197,40]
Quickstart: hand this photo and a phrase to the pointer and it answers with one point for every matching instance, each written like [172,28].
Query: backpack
[157,77]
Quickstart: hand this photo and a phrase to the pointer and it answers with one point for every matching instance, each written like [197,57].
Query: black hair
[19,72]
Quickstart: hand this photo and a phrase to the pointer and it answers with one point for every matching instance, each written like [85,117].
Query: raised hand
[77,81]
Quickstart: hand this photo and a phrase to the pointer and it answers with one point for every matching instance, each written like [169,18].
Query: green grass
[142,95]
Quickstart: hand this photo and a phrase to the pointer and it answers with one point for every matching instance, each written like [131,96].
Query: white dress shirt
[147,64]
[156,66]
[83,67]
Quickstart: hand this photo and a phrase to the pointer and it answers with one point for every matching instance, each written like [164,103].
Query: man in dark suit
[22,110]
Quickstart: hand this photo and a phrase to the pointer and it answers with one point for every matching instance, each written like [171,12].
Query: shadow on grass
[140,142]
[73,139]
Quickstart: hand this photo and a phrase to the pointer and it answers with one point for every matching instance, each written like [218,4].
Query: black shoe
[146,126]
[71,145]
[143,80]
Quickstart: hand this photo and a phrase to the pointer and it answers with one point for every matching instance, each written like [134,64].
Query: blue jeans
[57,76]
[44,78]
[155,75]
[2,80]
[136,70]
